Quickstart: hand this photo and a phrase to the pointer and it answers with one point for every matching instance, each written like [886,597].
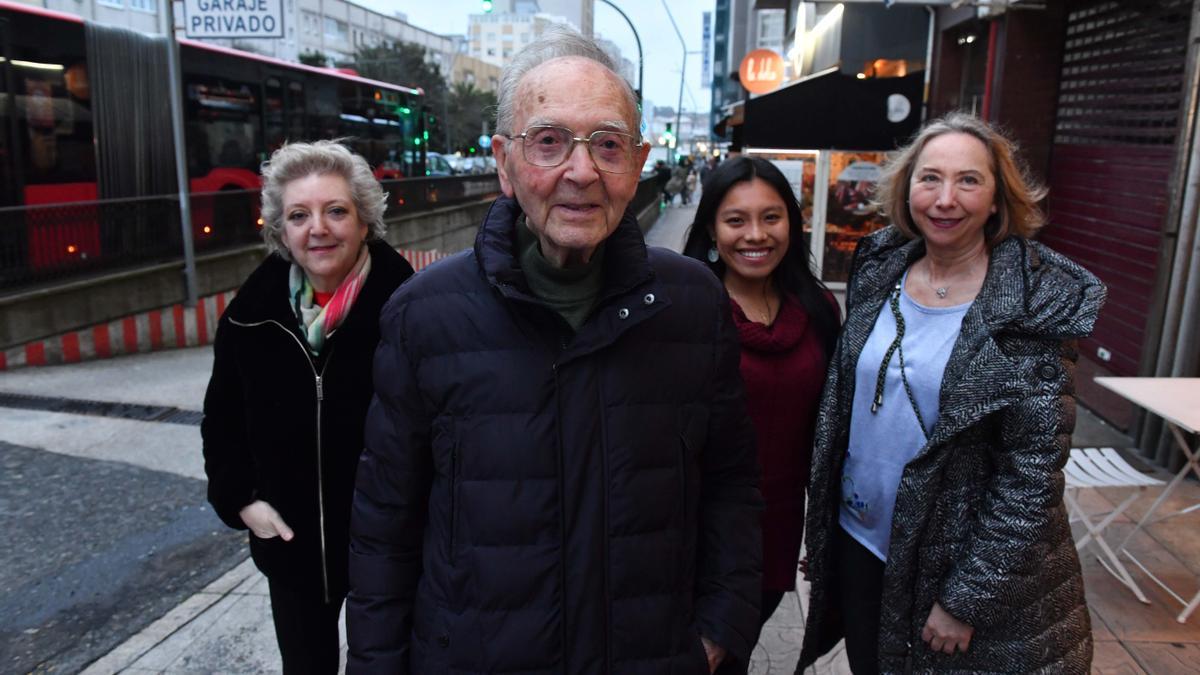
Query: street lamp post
[636,39]
[682,74]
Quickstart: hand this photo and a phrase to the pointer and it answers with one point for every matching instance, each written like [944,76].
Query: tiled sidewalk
[227,627]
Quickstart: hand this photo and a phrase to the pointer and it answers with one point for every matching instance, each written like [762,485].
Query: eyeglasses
[547,146]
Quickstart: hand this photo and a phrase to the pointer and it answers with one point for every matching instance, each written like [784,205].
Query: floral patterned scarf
[316,322]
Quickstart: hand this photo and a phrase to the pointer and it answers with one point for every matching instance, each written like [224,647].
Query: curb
[172,327]
[137,646]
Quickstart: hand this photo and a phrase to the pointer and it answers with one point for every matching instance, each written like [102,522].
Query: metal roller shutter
[1121,88]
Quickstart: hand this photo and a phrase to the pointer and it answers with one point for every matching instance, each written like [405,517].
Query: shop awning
[834,111]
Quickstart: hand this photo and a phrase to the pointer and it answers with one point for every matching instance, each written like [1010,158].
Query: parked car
[436,164]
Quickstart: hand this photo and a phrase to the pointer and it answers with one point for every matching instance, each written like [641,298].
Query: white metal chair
[1103,468]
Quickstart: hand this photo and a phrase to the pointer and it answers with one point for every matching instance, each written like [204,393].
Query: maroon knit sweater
[784,369]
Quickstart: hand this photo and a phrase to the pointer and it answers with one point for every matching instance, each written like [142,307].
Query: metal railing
[414,195]
[52,243]
[45,244]
[56,242]
[648,192]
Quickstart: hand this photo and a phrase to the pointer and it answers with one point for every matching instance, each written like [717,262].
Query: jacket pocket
[447,459]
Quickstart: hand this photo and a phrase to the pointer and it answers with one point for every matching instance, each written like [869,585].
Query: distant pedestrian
[291,380]
[559,472]
[677,183]
[936,528]
[749,231]
[689,186]
[662,175]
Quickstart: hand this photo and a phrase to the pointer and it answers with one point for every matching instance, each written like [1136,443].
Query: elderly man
[559,474]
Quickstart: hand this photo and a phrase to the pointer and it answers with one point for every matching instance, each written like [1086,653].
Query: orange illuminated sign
[761,71]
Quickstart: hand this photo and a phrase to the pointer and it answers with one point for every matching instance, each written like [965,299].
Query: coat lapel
[979,378]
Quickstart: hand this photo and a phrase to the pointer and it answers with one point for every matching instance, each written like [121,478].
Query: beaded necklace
[896,348]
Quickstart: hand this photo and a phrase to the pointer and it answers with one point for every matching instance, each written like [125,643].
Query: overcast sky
[661,48]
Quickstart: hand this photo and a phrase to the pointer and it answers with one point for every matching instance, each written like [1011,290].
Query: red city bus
[84,115]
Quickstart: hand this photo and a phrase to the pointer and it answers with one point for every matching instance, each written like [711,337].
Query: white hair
[555,42]
[293,161]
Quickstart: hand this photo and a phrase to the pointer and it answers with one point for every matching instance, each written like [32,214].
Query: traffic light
[487,6]
[668,137]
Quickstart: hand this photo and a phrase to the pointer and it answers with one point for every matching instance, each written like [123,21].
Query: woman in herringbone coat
[936,535]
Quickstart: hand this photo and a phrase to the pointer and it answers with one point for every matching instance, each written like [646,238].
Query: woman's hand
[264,521]
[944,633]
[714,652]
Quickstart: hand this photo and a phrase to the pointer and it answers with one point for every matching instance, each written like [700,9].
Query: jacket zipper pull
[320,389]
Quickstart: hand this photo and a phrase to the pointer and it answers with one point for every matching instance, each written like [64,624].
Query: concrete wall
[49,311]
[449,229]
[45,312]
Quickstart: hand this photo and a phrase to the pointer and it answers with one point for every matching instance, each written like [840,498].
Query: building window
[335,29]
[310,23]
[771,29]
[112,3]
[143,5]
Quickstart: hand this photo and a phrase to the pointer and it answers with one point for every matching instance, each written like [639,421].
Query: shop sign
[706,51]
[761,71]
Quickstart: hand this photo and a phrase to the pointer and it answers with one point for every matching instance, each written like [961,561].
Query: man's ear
[500,151]
[643,152]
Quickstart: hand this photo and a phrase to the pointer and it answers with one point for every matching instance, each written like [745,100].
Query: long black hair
[793,276]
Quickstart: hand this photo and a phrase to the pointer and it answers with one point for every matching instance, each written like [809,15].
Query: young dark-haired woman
[747,230]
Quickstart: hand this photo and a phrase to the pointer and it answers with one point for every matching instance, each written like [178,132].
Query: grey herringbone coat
[979,524]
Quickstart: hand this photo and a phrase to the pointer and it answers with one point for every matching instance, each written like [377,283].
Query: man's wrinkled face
[574,206]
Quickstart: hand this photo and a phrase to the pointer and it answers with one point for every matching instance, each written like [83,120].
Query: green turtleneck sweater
[570,291]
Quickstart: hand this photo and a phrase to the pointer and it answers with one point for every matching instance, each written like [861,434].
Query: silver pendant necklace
[941,291]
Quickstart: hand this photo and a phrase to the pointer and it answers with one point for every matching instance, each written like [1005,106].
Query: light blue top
[883,442]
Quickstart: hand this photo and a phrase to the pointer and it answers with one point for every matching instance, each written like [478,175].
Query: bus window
[296,112]
[274,113]
[323,109]
[9,174]
[54,120]
[227,115]
[284,105]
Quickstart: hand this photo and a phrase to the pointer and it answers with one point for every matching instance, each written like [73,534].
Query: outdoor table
[1177,401]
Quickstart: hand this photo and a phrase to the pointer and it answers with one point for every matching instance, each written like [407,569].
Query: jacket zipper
[606,581]
[562,523]
[453,496]
[320,390]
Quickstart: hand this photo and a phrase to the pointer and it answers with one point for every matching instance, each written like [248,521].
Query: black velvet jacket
[286,427]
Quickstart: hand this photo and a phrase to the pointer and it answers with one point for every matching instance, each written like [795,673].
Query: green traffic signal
[487,6]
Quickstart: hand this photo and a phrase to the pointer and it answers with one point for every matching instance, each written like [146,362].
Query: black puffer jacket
[536,501]
[269,435]
[979,524]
